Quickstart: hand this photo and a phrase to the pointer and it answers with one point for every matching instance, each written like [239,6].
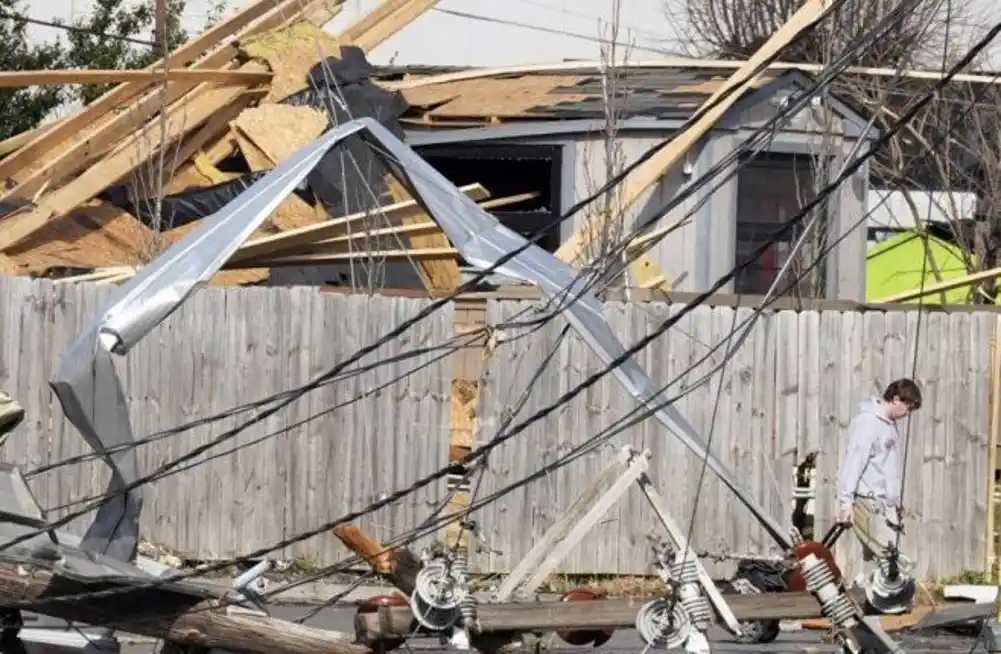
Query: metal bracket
[249,586]
[630,467]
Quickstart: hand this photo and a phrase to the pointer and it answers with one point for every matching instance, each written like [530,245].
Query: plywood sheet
[280,130]
[271,133]
[95,236]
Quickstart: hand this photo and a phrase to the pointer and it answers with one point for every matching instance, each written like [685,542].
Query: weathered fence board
[335,450]
[789,390]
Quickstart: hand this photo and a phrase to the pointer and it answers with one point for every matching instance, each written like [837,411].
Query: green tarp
[896,265]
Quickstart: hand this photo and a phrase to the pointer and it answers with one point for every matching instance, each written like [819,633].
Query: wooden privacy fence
[789,391]
[336,450]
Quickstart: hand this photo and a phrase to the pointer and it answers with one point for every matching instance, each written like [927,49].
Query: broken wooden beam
[22,78]
[165,613]
[185,115]
[603,614]
[261,15]
[434,273]
[292,240]
[397,565]
[346,257]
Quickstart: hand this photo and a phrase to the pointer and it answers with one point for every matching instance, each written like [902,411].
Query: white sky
[504,32]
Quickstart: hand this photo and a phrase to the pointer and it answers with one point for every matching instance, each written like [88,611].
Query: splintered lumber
[165,613]
[397,565]
[331,249]
[19,140]
[601,614]
[437,274]
[335,258]
[191,147]
[187,114]
[575,66]
[21,78]
[385,20]
[370,20]
[87,151]
[265,10]
[401,15]
[303,237]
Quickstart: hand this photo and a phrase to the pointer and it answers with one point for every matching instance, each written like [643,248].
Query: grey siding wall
[696,255]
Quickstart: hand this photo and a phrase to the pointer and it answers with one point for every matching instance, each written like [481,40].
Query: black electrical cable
[593,379]
[464,340]
[850,170]
[471,284]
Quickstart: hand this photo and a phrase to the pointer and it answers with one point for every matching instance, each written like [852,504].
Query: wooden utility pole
[397,565]
[389,621]
[166,613]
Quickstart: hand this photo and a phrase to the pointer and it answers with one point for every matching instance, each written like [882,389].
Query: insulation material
[290,52]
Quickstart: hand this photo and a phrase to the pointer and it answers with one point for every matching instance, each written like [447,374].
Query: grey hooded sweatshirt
[872,462]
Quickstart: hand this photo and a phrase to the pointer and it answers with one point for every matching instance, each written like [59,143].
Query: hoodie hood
[871,405]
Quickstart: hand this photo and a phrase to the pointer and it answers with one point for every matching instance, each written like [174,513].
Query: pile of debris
[81,194]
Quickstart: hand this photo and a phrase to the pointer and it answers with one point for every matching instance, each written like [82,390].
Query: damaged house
[527,145]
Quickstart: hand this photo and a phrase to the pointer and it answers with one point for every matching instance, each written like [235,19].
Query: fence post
[993,441]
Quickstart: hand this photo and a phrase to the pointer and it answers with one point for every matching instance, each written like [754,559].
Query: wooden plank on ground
[165,613]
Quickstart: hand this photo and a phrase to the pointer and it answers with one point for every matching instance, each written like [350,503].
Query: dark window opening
[771,190]
[508,170]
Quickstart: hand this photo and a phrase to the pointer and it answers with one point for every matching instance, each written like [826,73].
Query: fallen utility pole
[390,621]
[165,613]
[397,565]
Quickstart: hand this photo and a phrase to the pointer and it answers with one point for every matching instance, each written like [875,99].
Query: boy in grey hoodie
[869,482]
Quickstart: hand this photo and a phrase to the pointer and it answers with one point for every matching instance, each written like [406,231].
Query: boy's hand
[846,515]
